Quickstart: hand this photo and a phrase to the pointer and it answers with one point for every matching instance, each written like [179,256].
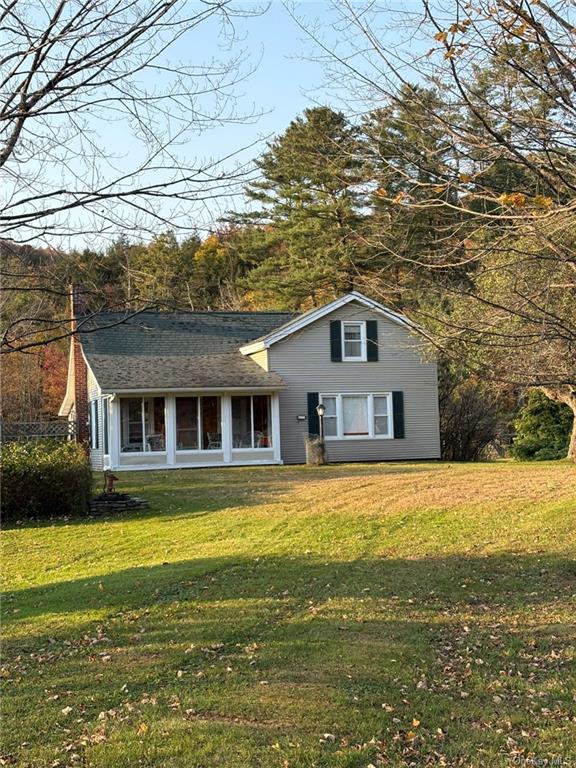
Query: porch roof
[165,372]
[177,350]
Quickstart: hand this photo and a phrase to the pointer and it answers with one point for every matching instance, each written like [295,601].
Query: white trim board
[203,465]
[91,373]
[69,401]
[316,314]
[69,397]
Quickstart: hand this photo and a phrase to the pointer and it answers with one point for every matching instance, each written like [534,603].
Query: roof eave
[256,346]
[198,390]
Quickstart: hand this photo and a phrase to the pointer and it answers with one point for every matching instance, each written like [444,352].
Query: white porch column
[226,426]
[275,407]
[170,429]
[114,431]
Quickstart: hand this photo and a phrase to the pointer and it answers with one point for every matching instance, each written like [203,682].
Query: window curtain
[355,415]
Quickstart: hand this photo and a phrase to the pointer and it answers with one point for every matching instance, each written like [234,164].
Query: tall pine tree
[309,214]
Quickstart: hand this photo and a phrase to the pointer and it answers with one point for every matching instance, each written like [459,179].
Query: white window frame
[199,425]
[270,436]
[363,343]
[340,421]
[144,451]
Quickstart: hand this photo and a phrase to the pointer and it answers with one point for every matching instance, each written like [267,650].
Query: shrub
[44,479]
[473,413]
[542,429]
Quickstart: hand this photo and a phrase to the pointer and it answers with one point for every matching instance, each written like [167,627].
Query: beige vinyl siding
[261,358]
[303,361]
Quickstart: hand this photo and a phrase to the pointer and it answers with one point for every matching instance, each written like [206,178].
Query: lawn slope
[384,615]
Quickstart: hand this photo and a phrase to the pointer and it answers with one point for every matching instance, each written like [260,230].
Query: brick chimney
[77,309]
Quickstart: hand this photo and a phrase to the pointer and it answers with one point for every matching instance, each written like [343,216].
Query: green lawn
[384,615]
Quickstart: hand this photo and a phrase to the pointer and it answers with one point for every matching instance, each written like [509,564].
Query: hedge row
[44,479]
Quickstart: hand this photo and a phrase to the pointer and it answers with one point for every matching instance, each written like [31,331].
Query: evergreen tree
[158,273]
[310,213]
[221,265]
[542,429]
[162,271]
[524,119]
[410,162]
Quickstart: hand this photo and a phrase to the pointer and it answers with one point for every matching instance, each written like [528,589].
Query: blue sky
[287,78]
[284,82]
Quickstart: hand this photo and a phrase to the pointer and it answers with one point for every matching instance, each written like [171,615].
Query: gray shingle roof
[177,350]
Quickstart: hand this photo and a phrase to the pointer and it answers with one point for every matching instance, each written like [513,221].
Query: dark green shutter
[105,406]
[336,341]
[313,420]
[97,421]
[372,341]
[398,414]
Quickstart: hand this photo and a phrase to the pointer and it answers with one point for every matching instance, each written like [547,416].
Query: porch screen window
[198,423]
[210,423]
[143,427]
[187,423]
[251,422]
[132,430]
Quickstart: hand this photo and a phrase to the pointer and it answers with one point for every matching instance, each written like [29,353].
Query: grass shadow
[203,491]
[279,650]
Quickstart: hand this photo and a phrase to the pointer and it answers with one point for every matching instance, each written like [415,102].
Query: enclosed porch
[190,429]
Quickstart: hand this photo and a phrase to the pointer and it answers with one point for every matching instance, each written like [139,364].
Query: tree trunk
[315,451]
[572,443]
[566,395]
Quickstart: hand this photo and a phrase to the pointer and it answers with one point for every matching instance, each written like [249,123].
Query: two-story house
[196,389]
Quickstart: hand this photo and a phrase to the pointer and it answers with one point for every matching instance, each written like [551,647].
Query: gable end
[316,314]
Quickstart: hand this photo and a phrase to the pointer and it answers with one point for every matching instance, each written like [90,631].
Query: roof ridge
[204,311]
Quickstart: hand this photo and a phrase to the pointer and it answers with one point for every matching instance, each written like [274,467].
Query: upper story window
[354,341]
